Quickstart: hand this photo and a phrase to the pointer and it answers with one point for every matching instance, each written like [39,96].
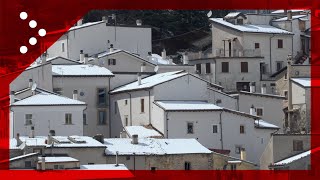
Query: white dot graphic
[42,32]
[33,41]
[23,49]
[23,15]
[33,23]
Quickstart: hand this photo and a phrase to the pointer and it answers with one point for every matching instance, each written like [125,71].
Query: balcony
[238,53]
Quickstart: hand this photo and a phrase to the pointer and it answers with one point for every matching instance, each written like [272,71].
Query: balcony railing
[238,53]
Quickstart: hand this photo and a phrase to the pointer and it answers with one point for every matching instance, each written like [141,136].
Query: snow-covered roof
[258,94]
[232,15]
[281,11]
[305,82]
[85,25]
[57,159]
[59,141]
[66,59]
[80,70]
[104,167]
[251,28]
[151,146]
[47,99]
[151,81]
[263,124]
[157,59]
[296,157]
[142,131]
[293,17]
[23,156]
[187,105]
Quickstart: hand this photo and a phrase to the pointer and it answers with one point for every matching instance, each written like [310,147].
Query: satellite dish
[34,86]
[209,14]
[156,69]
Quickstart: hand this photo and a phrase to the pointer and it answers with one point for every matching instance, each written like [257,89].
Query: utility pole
[290,107]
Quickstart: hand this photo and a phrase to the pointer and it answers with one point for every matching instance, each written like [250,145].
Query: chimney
[252,110]
[79,22]
[139,22]
[44,58]
[170,61]
[111,48]
[99,137]
[149,57]
[289,14]
[75,94]
[43,163]
[81,56]
[117,153]
[185,59]
[253,87]
[139,79]
[104,18]
[135,139]
[164,54]
[30,83]
[52,132]
[264,89]
[86,58]
[31,135]
[49,140]
[143,67]
[19,142]
[243,154]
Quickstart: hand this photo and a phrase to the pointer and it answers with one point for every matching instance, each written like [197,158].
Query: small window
[242,131]
[127,158]
[279,65]
[57,90]
[285,76]
[126,119]
[240,21]
[111,61]
[153,168]
[68,118]
[208,68]
[28,118]
[297,145]
[190,128]
[244,67]
[280,43]
[198,68]
[102,96]
[62,47]
[225,67]
[102,117]
[125,102]
[142,105]
[256,45]
[187,165]
[233,166]
[27,164]
[259,111]
[285,93]
[215,129]
[238,149]
[85,119]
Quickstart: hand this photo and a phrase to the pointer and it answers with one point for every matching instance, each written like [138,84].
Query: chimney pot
[243,154]
[263,88]
[143,67]
[185,59]
[164,54]
[139,79]
[111,48]
[30,83]
[86,59]
[75,94]
[289,15]
[135,139]
[31,132]
[252,110]
[81,56]
[253,87]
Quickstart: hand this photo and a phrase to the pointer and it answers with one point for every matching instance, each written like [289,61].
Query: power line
[179,34]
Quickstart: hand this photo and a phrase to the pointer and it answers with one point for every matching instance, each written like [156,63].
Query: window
[256,45]
[56,167]
[280,43]
[233,166]
[225,67]
[187,166]
[127,158]
[244,67]
[285,93]
[126,119]
[102,96]
[90,163]
[28,119]
[85,119]
[125,102]
[238,149]
[198,68]
[259,111]
[111,61]
[242,129]
[297,145]
[240,21]
[102,117]
[57,90]
[153,168]
[142,105]
[215,129]
[62,47]
[27,164]
[115,107]
[279,65]
[61,166]
[68,118]
[285,76]
[208,68]
[190,128]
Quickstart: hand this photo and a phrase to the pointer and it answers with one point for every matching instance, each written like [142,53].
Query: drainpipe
[109,109]
[167,119]
[271,54]
[221,138]
[130,109]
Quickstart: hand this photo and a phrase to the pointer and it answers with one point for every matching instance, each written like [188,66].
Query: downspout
[270,59]
[291,41]
[130,109]
[167,119]
[221,138]
[109,108]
